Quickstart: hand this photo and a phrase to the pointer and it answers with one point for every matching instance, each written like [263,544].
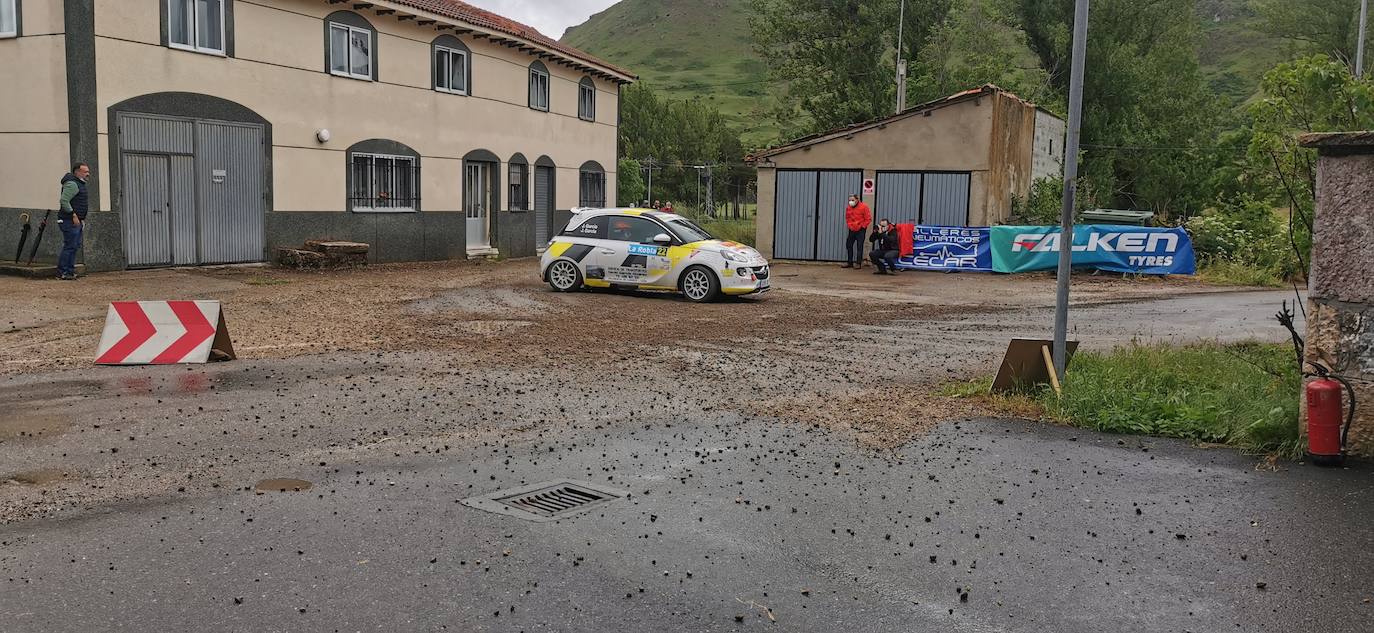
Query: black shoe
[67,277]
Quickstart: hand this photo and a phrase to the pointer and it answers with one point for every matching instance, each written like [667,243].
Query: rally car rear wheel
[700,285]
[564,276]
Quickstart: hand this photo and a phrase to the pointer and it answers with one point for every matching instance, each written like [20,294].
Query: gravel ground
[447,353]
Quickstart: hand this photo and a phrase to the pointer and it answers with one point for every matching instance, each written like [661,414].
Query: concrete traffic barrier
[164,333]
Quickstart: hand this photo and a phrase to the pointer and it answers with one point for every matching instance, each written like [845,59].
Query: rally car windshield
[687,231]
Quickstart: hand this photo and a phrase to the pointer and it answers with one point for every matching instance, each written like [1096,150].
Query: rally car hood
[753,257]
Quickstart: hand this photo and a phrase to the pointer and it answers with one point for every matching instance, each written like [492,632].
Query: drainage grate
[546,501]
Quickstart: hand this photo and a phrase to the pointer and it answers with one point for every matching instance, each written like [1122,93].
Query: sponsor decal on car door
[633,257]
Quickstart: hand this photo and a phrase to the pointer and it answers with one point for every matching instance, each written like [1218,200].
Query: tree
[629,183]
[1312,94]
[1145,106]
[836,58]
[1330,27]
[679,136]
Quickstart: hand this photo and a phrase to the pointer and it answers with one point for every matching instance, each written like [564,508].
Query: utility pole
[901,63]
[710,193]
[649,165]
[1061,307]
[1359,45]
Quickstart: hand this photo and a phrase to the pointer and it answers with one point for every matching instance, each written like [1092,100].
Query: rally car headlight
[731,256]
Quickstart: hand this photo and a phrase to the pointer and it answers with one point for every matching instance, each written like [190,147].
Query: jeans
[884,260]
[854,246]
[71,243]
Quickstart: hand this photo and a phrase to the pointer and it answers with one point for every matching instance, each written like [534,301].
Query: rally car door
[632,256]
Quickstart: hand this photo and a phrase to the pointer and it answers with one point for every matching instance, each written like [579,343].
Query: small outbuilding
[957,161]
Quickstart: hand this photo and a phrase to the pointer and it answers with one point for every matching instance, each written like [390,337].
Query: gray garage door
[831,201]
[192,192]
[898,197]
[794,219]
[543,205]
[944,200]
[808,221]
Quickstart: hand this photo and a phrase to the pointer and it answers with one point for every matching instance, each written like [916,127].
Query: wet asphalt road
[732,522]
[981,526]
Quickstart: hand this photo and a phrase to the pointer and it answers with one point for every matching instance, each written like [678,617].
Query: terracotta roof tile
[465,12]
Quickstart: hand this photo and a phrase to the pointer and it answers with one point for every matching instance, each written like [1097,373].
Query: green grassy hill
[703,48]
[686,49]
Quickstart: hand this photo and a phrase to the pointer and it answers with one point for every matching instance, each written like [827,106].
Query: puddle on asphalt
[33,427]
[282,485]
[37,477]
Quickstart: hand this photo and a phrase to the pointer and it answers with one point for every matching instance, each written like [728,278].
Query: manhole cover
[546,501]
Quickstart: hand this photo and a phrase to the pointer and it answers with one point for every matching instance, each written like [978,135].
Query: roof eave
[443,23]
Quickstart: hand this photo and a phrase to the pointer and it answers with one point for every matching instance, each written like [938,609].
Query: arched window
[591,190]
[383,177]
[519,196]
[452,63]
[350,46]
[586,99]
[539,86]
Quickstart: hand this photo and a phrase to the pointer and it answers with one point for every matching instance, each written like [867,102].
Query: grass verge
[1229,273]
[1243,395]
[741,231]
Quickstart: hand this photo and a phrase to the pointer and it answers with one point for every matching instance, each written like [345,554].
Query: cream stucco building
[958,161]
[218,130]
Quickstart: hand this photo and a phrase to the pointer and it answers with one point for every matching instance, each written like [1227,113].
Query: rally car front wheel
[564,276]
[700,285]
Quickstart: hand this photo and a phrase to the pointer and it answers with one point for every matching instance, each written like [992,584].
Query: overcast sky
[551,17]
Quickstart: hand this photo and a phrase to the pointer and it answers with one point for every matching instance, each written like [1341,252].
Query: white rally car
[650,250]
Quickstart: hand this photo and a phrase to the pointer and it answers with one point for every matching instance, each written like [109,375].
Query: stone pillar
[1340,319]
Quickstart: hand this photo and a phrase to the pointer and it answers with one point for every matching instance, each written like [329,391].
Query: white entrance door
[476,194]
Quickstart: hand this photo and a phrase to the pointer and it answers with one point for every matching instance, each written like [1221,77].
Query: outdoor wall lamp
[322,135]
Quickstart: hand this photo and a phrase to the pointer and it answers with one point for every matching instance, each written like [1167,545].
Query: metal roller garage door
[898,197]
[193,191]
[794,220]
[831,201]
[808,221]
[944,199]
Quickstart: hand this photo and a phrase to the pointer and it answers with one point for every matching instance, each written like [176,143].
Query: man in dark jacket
[886,248]
[71,218]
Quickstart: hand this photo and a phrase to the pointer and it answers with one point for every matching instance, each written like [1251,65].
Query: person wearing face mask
[857,217]
[887,246]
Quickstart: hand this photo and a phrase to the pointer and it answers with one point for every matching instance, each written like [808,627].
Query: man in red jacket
[857,217]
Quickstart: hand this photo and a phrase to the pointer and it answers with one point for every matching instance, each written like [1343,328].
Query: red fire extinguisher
[1326,436]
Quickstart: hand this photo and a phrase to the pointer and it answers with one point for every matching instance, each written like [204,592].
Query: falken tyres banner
[1125,249]
[949,248]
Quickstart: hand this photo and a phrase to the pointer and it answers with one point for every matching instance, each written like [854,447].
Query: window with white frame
[586,100]
[381,182]
[539,87]
[195,25]
[350,51]
[9,18]
[450,70]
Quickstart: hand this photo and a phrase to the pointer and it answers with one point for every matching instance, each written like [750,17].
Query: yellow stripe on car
[557,249]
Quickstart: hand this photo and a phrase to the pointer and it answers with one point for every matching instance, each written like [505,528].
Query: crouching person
[886,248]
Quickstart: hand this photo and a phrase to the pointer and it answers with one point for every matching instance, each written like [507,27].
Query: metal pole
[1359,45]
[650,194]
[1061,306]
[901,65]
